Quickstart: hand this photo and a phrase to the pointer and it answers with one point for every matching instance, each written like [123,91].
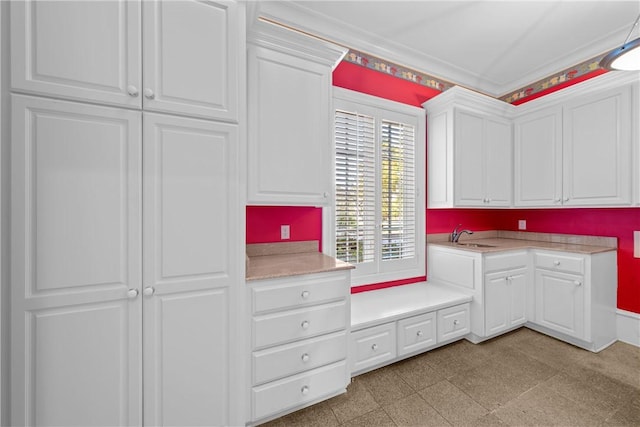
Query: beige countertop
[504,241]
[272,260]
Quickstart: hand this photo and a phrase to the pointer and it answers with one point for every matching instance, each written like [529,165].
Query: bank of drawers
[391,341]
[299,340]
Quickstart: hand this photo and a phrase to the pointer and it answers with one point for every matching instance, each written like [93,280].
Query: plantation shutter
[355,191]
[398,188]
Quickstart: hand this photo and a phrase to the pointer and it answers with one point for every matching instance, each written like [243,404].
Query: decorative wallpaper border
[563,76]
[395,70]
[377,64]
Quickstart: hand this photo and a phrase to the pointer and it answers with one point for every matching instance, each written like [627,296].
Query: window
[379,181]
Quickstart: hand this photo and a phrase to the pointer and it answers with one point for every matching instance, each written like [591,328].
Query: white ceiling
[494,47]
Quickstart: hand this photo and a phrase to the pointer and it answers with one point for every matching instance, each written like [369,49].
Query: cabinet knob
[456,322]
[305,357]
[556,263]
[325,195]
[304,390]
[374,347]
[305,324]
[577,283]
[148,291]
[489,200]
[556,200]
[419,333]
[132,90]
[304,294]
[132,293]
[566,199]
[148,93]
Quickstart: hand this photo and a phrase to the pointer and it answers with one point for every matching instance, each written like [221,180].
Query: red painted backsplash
[263,224]
[619,222]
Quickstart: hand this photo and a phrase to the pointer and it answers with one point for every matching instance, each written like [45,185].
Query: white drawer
[372,346]
[558,262]
[505,261]
[453,322]
[282,327]
[299,292]
[417,333]
[277,396]
[289,359]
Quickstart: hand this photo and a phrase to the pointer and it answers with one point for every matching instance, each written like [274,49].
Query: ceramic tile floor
[519,379]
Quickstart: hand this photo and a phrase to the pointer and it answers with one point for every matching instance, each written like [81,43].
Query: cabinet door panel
[290,132]
[518,297]
[496,303]
[192,69]
[468,152]
[597,148]
[75,337]
[560,302]
[190,227]
[497,163]
[538,159]
[76,49]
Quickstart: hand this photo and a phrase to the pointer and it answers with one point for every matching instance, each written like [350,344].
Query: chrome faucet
[455,234]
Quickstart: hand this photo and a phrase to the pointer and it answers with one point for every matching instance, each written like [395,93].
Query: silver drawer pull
[456,322]
[304,390]
[556,263]
[305,324]
[374,347]
[577,283]
[419,333]
[305,357]
[304,294]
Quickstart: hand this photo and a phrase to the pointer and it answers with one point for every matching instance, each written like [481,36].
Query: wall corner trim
[628,327]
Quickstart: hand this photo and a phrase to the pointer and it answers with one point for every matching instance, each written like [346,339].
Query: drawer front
[278,296]
[290,392]
[282,361]
[453,322]
[282,327]
[505,261]
[560,262]
[371,346]
[417,333]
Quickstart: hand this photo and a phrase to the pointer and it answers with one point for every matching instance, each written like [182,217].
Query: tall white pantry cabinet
[127,206]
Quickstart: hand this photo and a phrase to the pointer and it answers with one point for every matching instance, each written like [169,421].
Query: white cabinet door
[497,162]
[497,301]
[560,303]
[518,296]
[469,154]
[191,58]
[290,129]
[597,150]
[75,264]
[538,158]
[82,50]
[190,242]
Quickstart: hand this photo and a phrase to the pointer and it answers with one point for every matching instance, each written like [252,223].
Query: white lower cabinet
[372,346]
[299,335]
[417,333]
[576,297]
[453,323]
[505,297]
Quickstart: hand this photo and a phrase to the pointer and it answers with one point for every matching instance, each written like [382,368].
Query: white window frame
[382,109]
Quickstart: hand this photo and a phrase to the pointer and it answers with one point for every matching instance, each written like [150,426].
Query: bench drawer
[371,346]
[285,360]
[453,322]
[417,333]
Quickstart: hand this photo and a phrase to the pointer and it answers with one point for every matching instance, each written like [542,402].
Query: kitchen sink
[475,245]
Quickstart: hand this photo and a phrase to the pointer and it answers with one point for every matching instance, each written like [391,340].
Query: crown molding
[459,96]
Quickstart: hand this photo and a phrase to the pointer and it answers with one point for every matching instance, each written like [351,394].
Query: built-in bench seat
[394,323]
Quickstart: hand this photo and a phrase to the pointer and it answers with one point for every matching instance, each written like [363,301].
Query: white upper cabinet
[538,158]
[131,53]
[469,147]
[597,149]
[577,153]
[77,49]
[290,118]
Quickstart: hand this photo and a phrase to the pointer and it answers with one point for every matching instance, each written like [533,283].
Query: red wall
[263,223]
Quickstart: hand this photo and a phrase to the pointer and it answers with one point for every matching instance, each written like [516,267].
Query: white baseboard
[628,326]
